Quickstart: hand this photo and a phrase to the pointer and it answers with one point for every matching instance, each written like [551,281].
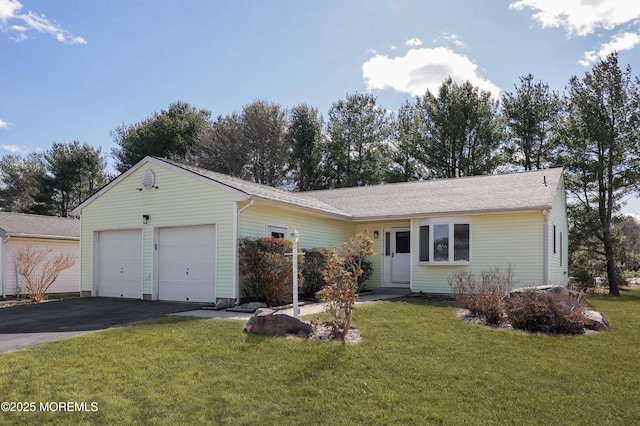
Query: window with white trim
[444,242]
[276,231]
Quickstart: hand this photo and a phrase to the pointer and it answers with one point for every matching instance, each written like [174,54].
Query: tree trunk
[614,290]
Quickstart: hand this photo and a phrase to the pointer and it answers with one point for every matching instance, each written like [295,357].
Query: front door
[397,257]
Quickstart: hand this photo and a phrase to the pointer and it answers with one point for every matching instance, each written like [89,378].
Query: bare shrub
[483,295]
[535,311]
[38,269]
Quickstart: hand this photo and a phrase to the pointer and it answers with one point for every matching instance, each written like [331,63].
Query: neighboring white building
[58,234]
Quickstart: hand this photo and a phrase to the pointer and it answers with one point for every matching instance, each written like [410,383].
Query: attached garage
[119,263]
[186,263]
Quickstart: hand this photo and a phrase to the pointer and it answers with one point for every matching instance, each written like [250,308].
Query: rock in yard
[267,322]
[595,321]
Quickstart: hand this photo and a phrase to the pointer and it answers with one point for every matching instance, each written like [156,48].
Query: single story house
[54,233]
[164,230]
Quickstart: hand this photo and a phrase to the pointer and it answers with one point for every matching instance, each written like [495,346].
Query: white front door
[397,257]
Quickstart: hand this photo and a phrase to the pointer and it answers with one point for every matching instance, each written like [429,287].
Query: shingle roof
[36,226]
[533,190]
[490,193]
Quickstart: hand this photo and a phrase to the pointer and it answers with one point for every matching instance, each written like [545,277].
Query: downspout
[545,213]
[3,262]
[236,237]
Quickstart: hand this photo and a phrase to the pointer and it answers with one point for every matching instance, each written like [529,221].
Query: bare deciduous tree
[39,269]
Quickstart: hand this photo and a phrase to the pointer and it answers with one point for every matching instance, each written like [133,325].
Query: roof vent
[148,179]
[544,178]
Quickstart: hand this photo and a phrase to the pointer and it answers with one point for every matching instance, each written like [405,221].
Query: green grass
[417,364]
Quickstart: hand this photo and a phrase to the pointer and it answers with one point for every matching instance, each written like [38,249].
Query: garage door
[186,263]
[120,263]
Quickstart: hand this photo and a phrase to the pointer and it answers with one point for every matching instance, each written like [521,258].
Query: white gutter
[236,236]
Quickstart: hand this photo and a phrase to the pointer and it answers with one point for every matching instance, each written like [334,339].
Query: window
[441,243]
[560,248]
[444,242]
[461,242]
[424,244]
[554,239]
[403,242]
[387,243]
[276,231]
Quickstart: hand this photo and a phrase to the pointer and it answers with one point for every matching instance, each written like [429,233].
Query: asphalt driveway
[27,325]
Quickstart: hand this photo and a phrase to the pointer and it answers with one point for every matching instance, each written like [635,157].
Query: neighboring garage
[186,263]
[119,263]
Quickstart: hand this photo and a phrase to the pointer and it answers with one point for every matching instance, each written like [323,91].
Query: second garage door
[186,263]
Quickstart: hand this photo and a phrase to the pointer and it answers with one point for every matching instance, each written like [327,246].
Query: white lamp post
[295,237]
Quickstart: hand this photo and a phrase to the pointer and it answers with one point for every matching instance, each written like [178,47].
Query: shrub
[483,296]
[38,269]
[339,294]
[266,271]
[315,261]
[342,272]
[534,311]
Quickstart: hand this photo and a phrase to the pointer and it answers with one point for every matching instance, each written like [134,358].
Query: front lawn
[417,364]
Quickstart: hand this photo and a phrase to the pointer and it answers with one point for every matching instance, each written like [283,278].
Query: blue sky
[77,69]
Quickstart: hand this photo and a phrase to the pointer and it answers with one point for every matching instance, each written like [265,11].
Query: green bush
[266,272]
[315,261]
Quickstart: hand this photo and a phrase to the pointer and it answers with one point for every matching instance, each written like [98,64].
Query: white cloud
[11,148]
[581,17]
[451,38]
[421,70]
[413,42]
[10,11]
[619,42]
[4,124]
[8,8]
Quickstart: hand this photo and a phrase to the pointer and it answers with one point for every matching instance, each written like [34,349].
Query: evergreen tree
[307,143]
[461,129]
[358,132]
[530,115]
[600,150]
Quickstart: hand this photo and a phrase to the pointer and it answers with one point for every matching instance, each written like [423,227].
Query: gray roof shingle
[36,226]
[490,193]
[476,194]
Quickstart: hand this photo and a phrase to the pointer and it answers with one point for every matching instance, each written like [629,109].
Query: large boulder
[267,322]
[595,321]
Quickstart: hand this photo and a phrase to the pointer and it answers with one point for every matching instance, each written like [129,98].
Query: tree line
[460,130]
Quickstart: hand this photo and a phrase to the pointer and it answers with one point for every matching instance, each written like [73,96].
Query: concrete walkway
[307,309]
